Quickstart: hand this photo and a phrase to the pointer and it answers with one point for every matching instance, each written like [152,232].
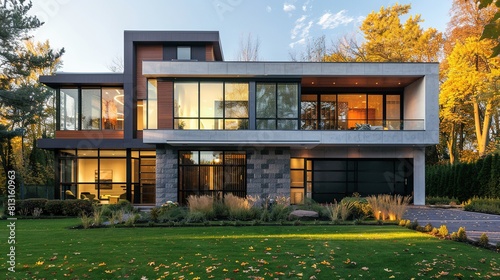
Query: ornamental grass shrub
[239,208]
[388,207]
[203,204]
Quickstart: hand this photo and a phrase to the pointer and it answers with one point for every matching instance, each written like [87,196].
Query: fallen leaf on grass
[364,268]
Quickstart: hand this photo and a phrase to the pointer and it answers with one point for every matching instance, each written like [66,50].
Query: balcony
[363,124]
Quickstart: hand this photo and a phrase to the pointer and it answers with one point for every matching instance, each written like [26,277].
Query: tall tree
[457,116]
[249,48]
[492,29]
[472,81]
[20,100]
[387,39]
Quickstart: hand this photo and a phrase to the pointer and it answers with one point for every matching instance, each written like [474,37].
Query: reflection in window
[69,109]
[277,106]
[308,113]
[328,111]
[91,109]
[112,108]
[101,108]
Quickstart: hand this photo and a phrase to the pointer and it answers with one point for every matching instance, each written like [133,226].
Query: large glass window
[210,105]
[112,108]
[102,175]
[101,108]
[393,112]
[277,106]
[152,111]
[91,109]
[68,103]
[215,173]
[350,111]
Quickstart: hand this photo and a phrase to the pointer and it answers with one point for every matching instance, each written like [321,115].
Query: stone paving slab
[474,223]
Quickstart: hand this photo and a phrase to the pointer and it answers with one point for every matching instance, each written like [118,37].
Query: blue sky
[91,31]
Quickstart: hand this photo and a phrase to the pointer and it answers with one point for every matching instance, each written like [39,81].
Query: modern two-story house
[181,121]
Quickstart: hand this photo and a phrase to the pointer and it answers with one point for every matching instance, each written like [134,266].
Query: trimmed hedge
[69,207]
[465,180]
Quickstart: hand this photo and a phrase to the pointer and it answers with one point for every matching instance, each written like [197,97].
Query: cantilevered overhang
[292,139]
[178,37]
[407,72]
[75,79]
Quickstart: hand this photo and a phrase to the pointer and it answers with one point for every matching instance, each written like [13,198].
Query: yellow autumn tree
[388,39]
[471,83]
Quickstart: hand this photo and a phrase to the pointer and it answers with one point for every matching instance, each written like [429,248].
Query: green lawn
[47,249]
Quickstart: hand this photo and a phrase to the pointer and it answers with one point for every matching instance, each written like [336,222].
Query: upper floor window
[183,53]
[210,105]
[350,111]
[91,109]
[277,106]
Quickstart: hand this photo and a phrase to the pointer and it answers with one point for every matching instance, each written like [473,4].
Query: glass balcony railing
[362,124]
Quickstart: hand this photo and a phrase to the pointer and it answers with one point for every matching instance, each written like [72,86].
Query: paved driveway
[474,223]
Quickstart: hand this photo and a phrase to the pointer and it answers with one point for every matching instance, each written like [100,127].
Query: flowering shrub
[169,205]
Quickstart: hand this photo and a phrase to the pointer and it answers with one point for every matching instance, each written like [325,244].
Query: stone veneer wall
[268,172]
[166,174]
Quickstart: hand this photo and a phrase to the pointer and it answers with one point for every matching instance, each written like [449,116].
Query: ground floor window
[107,175]
[324,180]
[213,173]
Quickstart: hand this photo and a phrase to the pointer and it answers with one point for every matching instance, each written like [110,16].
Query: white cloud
[269,9]
[331,21]
[306,6]
[299,42]
[301,30]
[288,7]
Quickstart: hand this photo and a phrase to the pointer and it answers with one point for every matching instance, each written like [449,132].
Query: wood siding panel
[89,134]
[209,53]
[165,105]
[139,134]
[153,52]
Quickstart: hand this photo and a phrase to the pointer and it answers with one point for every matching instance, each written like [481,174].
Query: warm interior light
[116,99]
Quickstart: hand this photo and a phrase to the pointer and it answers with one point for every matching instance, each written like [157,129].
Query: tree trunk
[451,143]
[482,130]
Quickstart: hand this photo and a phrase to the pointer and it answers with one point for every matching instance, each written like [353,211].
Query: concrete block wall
[268,172]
